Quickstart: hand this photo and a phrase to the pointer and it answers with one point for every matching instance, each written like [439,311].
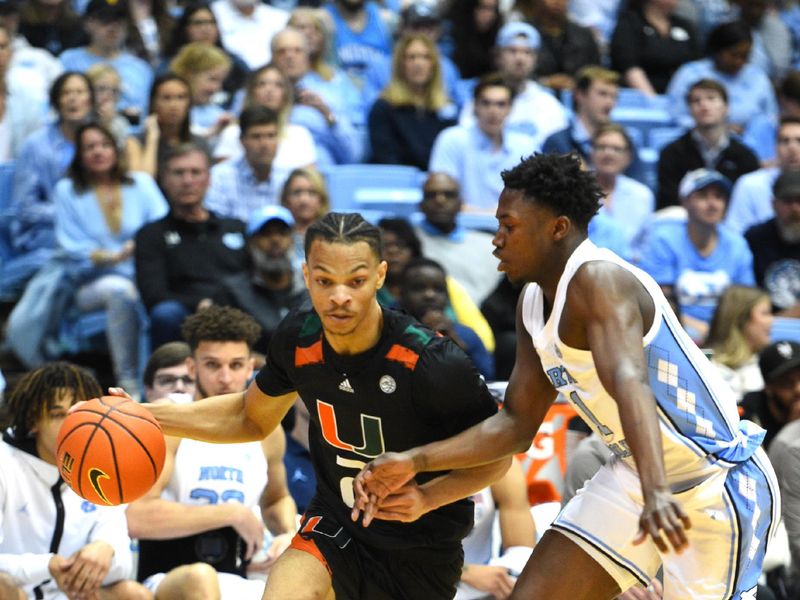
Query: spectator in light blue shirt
[749,89]
[751,200]
[106,23]
[475,155]
[42,160]
[761,133]
[695,260]
[627,202]
[241,186]
[326,107]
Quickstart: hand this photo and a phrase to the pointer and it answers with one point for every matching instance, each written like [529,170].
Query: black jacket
[182,261]
[683,155]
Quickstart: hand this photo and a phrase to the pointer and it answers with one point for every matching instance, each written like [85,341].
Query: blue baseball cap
[517,33]
[698,179]
[265,214]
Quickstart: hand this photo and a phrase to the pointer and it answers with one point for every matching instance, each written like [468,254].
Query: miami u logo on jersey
[371,432]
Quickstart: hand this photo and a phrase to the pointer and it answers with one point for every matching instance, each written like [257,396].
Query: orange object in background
[545,462]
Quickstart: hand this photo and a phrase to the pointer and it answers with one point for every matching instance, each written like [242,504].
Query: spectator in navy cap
[779,402]
[272,287]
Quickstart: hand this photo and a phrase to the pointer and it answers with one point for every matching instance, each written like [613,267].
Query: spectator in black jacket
[182,258]
[707,145]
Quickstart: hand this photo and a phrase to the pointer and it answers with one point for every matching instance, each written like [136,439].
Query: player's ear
[191,366]
[306,275]
[383,266]
[562,227]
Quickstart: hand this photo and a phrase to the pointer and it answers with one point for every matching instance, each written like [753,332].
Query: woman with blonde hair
[314,25]
[205,67]
[740,329]
[413,109]
[306,197]
[271,88]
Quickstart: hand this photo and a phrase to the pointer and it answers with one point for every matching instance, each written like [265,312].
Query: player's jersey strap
[690,407]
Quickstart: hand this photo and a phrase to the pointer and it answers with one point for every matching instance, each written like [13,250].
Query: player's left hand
[379,478]
[654,591]
[407,504]
[88,568]
[662,512]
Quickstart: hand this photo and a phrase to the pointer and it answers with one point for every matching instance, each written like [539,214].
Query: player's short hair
[707,84]
[344,228]
[220,324]
[166,355]
[36,391]
[559,182]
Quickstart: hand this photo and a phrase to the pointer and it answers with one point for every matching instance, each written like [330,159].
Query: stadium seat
[391,189]
[662,136]
[6,188]
[785,328]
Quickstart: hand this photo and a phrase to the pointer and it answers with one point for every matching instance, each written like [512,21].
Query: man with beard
[272,287]
[203,521]
[776,246]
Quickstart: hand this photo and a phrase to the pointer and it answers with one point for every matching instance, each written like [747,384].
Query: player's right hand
[379,478]
[248,526]
[490,579]
[662,512]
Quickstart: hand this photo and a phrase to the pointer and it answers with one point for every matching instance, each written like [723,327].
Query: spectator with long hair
[269,87]
[473,27]
[167,126]
[100,206]
[739,330]
[205,67]
[314,25]
[198,23]
[41,161]
[149,29]
[306,197]
[413,109]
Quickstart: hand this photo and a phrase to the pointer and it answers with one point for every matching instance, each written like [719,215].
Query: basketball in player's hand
[110,450]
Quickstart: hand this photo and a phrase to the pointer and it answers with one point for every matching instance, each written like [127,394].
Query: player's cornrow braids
[559,182]
[34,392]
[220,324]
[344,228]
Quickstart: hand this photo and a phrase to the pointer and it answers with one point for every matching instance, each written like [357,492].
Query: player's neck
[548,281]
[364,337]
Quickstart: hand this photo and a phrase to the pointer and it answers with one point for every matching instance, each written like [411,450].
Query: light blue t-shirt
[697,281]
[750,91]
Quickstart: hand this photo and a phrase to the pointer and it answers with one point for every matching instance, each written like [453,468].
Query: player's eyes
[358,282]
[323,282]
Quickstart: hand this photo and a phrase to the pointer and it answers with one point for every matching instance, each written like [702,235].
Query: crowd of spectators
[158,157]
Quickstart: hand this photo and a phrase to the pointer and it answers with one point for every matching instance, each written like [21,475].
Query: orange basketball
[110,450]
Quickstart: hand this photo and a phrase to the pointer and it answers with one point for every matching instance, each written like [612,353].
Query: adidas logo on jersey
[346,387]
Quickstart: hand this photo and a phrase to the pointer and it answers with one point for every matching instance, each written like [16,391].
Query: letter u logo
[371,432]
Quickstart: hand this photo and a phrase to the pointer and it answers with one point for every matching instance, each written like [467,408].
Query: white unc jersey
[698,418]
[207,473]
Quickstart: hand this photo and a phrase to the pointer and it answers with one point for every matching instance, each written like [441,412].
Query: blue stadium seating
[785,328]
[391,189]
[662,136]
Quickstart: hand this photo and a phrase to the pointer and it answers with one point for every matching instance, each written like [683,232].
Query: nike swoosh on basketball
[95,475]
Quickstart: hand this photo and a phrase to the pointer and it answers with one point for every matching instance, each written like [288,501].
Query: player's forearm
[158,519]
[498,436]
[220,419]
[637,411]
[281,516]
[462,483]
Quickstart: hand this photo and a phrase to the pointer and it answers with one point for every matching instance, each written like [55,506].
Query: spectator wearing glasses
[166,374]
[465,254]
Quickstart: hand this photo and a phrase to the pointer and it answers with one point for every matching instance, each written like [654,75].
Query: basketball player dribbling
[689,487]
[373,379]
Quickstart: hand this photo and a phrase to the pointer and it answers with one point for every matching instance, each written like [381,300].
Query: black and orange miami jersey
[411,388]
